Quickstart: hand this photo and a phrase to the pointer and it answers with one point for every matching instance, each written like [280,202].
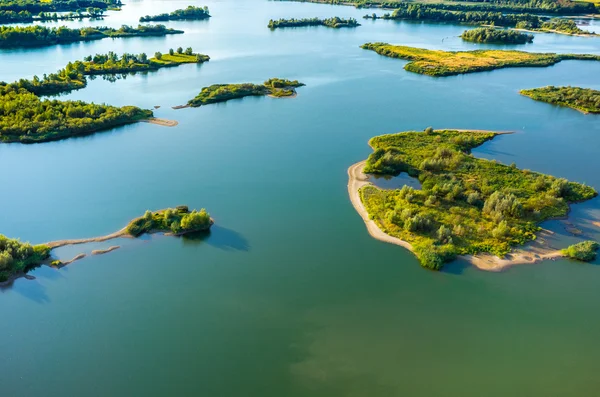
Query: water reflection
[394,182]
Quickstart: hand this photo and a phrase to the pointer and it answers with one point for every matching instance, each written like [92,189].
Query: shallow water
[288,295]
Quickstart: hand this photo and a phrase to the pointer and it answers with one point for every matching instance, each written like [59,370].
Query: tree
[171,52]
[189,51]
[180,50]
[158,55]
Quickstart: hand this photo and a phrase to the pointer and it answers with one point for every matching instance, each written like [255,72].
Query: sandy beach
[163,122]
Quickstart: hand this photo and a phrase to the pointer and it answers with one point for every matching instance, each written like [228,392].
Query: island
[335,22]
[585,251]
[274,87]
[189,13]
[476,208]
[40,36]
[37,6]
[440,63]
[72,77]
[496,36]
[585,100]
[17,258]
[27,17]
[475,15]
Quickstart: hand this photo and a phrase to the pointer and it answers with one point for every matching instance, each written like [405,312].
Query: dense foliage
[174,220]
[224,92]
[498,36]
[17,257]
[585,251]
[37,6]
[448,63]
[32,36]
[334,22]
[443,13]
[26,16]
[189,13]
[25,118]
[466,205]
[583,99]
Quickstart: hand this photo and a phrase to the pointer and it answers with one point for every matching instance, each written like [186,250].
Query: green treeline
[26,16]
[447,63]
[37,6]
[565,7]
[189,13]
[224,92]
[582,99]
[72,77]
[498,36]
[466,205]
[177,220]
[441,13]
[17,257]
[36,36]
[585,251]
[335,22]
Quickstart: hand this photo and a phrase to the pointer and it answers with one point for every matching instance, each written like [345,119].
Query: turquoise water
[288,295]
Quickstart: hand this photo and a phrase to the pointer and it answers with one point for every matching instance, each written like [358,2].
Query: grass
[466,205]
[448,63]
[180,58]
[173,220]
[583,99]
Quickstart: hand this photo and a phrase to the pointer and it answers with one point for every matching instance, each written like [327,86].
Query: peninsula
[189,13]
[40,36]
[335,22]
[440,63]
[583,99]
[496,36]
[223,92]
[17,258]
[467,206]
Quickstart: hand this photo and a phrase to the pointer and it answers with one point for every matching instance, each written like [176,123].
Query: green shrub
[585,251]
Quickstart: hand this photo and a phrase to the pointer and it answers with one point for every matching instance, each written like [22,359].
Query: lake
[288,295]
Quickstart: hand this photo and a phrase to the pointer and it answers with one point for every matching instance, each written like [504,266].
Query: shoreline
[159,121]
[533,252]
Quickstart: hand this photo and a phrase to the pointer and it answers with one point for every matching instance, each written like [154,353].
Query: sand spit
[163,122]
[104,251]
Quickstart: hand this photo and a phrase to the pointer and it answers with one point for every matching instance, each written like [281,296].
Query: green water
[288,295]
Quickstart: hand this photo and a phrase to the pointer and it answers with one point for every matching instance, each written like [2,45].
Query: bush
[585,251]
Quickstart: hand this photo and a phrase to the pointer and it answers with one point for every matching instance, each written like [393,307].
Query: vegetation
[72,77]
[565,7]
[334,22]
[36,36]
[173,220]
[38,6]
[498,36]
[447,13]
[17,257]
[585,251]
[27,17]
[189,13]
[224,92]
[448,63]
[583,99]
[466,205]
[25,118]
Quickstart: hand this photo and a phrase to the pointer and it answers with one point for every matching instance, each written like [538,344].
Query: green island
[72,77]
[334,22]
[563,7]
[37,6]
[443,13]
[585,100]
[496,36]
[189,13]
[39,36]
[17,258]
[448,63]
[223,92]
[585,251]
[27,17]
[466,205]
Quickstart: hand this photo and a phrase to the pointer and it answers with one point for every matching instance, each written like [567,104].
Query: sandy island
[104,251]
[533,252]
[163,122]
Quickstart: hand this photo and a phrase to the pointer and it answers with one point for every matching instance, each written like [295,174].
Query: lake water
[288,295]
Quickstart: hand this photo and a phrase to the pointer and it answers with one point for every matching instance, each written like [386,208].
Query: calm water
[288,295]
